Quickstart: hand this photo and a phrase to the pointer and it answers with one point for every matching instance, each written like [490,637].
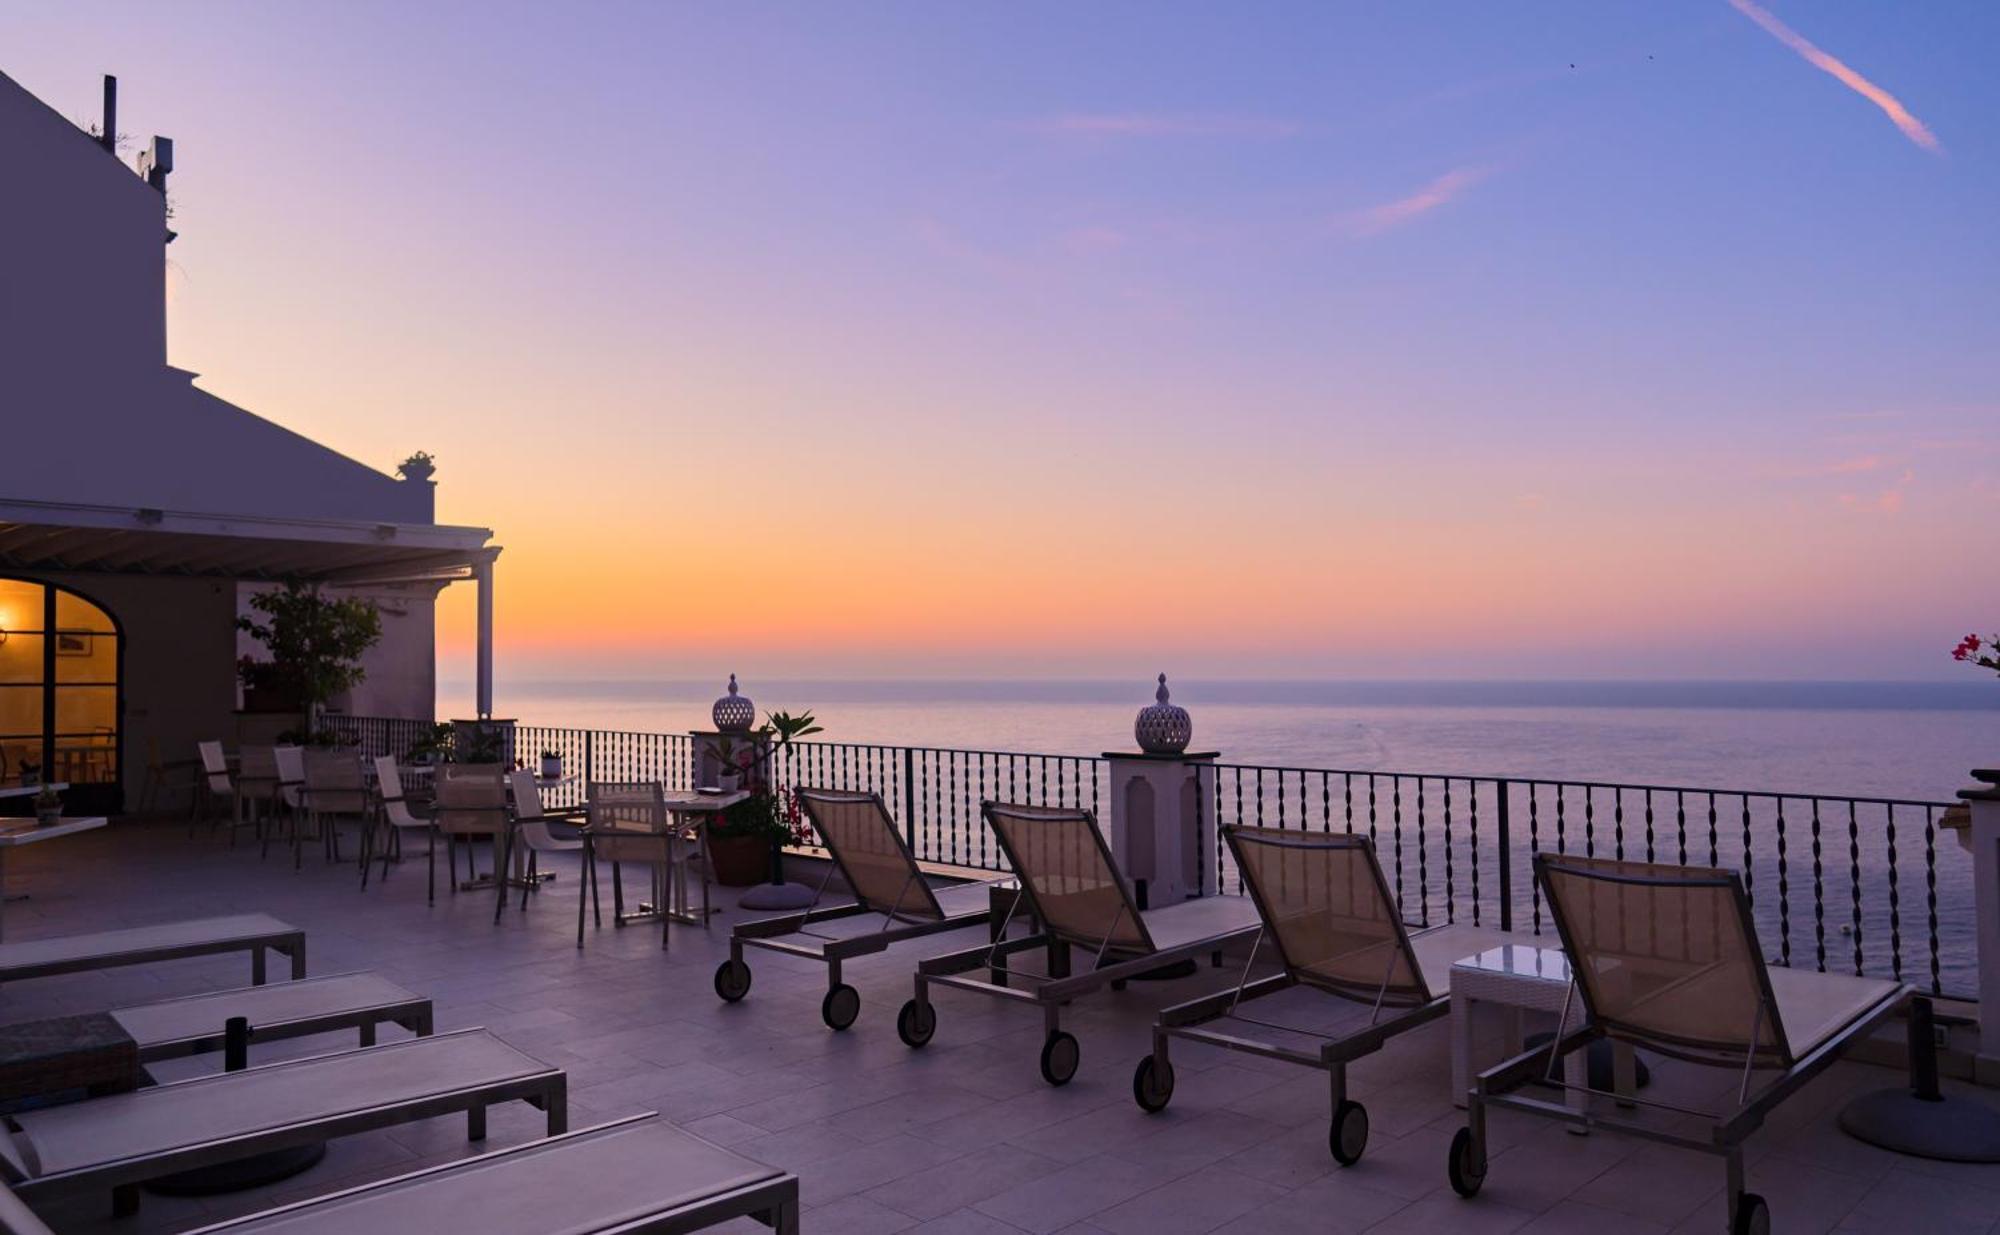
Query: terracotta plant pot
[740,861]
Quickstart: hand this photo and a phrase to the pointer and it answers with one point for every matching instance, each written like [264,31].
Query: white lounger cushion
[574,1185]
[265,1007]
[147,1123]
[142,941]
[1199,919]
[1813,1007]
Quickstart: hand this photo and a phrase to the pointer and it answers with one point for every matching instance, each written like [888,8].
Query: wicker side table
[89,1052]
[1522,979]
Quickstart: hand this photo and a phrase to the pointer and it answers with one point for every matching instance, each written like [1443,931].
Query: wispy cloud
[1378,219]
[1886,502]
[1900,116]
[1839,467]
[1168,124]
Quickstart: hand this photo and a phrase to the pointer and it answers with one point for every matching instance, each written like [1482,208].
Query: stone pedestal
[1985,844]
[1161,836]
[707,744]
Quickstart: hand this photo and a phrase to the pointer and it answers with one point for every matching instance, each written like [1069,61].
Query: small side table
[1522,979]
[90,1052]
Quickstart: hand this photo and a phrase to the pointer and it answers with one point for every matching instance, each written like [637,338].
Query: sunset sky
[1589,339]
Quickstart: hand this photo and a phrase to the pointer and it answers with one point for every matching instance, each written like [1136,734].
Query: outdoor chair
[254,933]
[471,804]
[287,800]
[194,1024]
[257,788]
[1666,958]
[394,819]
[637,1176]
[215,796]
[1079,899]
[335,785]
[117,1142]
[530,834]
[628,823]
[1335,929]
[870,855]
[165,775]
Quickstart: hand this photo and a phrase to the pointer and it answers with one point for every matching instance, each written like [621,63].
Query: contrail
[1899,115]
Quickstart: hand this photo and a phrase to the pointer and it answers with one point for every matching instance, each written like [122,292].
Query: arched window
[59,703]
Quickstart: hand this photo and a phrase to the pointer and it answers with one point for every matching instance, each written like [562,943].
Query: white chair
[257,788]
[394,819]
[531,832]
[334,786]
[287,798]
[471,804]
[628,823]
[214,793]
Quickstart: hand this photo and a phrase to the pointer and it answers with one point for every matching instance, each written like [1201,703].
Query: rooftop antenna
[109,137]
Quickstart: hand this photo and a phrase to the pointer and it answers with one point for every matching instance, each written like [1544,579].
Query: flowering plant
[1982,652]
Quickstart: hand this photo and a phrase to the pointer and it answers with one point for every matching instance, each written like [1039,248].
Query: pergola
[53,536]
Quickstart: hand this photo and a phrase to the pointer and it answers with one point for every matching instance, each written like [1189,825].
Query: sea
[1911,741]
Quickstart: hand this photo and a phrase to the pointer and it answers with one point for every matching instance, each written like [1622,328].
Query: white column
[482,575]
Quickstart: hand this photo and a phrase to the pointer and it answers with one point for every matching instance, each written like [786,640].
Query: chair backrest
[1328,911]
[258,769]
[214,766]
[1666,957]
[1066,870]
[628,821]
[389,786]
[335,774]
[291,762]
[858,831]
[529,816]
[471,799]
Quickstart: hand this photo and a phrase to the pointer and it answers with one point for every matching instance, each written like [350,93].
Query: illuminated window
[59,704]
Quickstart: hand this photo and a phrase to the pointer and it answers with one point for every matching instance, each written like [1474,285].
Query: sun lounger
[254,933]
[1329,918]
[1076,894]
[1667,958]
[194,1023]
[117,1142]
[870,855]
[639,1175]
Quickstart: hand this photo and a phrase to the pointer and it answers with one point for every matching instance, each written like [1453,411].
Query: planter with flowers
[746,840]
[551,765]
[1984,654]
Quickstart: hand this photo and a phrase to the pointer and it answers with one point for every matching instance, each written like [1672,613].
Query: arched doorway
[61,711]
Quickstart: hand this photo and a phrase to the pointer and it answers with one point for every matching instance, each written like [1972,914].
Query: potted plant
[746,840]
[419,466]
[31,772]
[551,765]
[1983,654]
[48,806]
[316,643]
[431,746]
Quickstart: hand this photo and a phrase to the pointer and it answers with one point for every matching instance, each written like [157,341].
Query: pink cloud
[1887,502]
[1166,124]
[1900,116]
[1389,215]
[1841,467]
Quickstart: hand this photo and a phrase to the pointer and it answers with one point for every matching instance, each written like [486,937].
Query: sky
[1416,340]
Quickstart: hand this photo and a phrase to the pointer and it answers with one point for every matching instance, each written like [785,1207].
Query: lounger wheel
[1348,1136]
[841,1005]
[1059,1058]
[1466,1165]
[732,980]
[916,1023]
[1152,1085]
[1753,1216]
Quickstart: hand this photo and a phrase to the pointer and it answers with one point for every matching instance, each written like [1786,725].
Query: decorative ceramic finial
[733,713]
[1163,729]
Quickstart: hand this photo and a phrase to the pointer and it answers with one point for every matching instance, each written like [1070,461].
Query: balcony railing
[1838,882]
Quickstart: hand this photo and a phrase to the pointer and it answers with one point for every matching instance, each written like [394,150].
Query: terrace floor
[962,1137]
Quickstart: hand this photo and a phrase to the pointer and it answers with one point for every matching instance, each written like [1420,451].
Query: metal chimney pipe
[109,138]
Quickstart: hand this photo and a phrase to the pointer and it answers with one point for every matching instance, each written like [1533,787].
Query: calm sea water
[1881,740]
[1907,740]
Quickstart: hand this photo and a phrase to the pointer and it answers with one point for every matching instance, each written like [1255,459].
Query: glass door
[60,711]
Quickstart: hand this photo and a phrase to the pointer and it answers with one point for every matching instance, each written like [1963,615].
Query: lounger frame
[413,1014]
[1053,991]
[790,934]
[547,1091]
[1503,1085]
[1197,1019]
[289,941]
[774,1202]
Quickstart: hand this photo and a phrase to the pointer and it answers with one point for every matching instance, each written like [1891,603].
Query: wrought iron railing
[1838,882]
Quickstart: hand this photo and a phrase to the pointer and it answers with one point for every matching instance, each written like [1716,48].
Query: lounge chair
[1328,915]
[1667,958]
[1078,897]
[122,1140]
[193,1024]
[255,933]
[870,855]
[638,1175]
